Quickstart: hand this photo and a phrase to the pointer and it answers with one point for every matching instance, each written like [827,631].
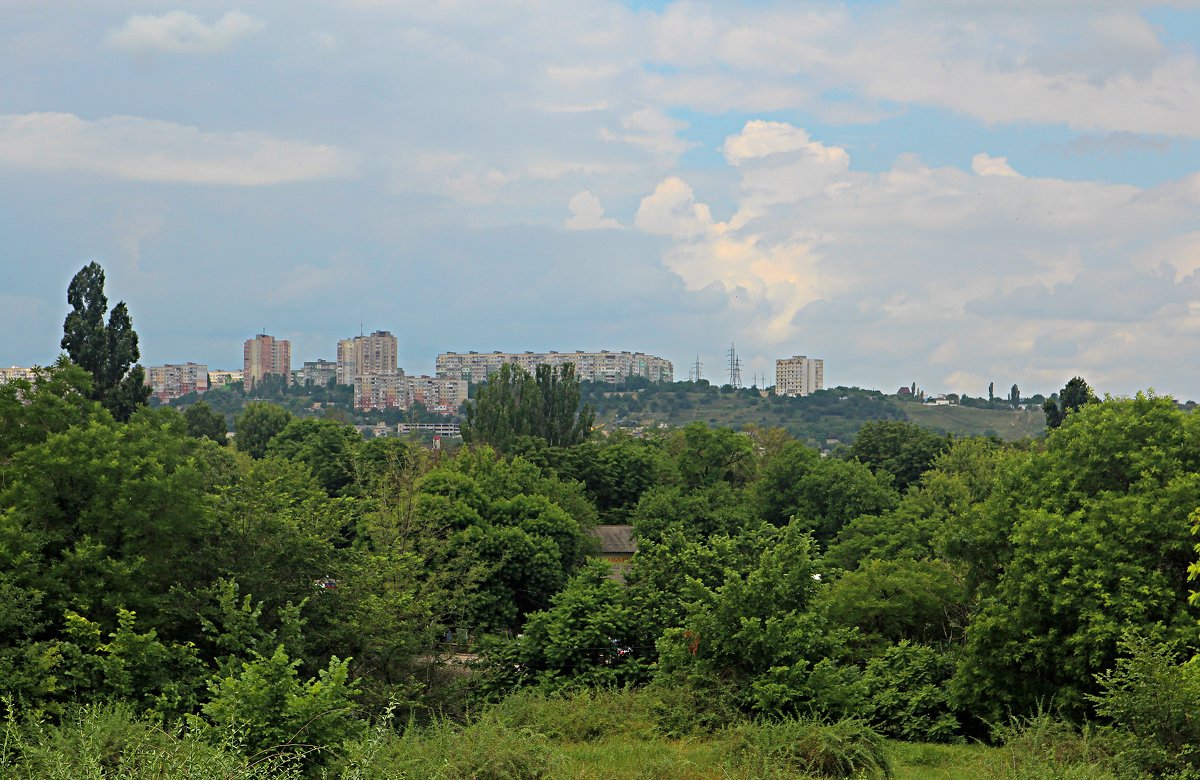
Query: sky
[947,192]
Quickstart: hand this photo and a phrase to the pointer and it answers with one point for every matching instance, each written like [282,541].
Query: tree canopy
[514,403]
[109,353]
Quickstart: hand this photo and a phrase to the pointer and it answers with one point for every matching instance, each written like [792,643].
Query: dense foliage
[312,596]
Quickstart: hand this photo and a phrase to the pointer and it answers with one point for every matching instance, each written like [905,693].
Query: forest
[311,604]
[297,601]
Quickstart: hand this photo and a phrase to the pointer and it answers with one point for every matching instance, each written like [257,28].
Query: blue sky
[940,191]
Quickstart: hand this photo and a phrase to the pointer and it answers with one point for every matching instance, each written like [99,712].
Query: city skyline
[915,190]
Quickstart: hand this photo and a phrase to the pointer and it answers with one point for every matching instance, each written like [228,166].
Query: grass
[967,421]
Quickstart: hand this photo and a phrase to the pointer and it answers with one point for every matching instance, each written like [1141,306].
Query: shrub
[906,686]
[842,749]
[583,716]
[1044,747]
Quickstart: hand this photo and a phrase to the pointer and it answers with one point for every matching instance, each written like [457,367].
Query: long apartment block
[603,366]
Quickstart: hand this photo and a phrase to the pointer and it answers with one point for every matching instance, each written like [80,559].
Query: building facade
[15,372]
[367,355]
[220,378]
[263,355]
[173,380]
[603,366]
[440,395]
[319,372]
[799,375]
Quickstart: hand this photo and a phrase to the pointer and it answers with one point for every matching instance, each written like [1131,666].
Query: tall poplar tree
[108,352]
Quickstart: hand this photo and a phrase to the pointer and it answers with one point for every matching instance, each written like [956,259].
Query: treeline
[834,414]
[279,597]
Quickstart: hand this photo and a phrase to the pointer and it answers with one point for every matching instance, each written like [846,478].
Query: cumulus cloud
[139,149]
[587,213]
[672,210]
[179,31]
[986,165]
[917,265]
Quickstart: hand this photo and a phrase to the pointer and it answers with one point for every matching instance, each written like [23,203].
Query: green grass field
[966,421]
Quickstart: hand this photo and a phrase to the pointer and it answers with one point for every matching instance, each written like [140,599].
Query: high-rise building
[799,375]
[263,355]
[176,379]
[372,355]
[16,372]
[603,366]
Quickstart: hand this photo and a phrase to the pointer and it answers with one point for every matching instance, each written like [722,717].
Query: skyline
[924,191]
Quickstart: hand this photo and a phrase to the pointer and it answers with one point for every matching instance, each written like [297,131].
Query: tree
[515,403]
[1074,394]
[204,423]
[109,353]
[900,448]
[325,446]
[258,423]
[1014,397]
[991,392]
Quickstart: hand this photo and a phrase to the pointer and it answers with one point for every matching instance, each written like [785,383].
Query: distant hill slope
[834,414]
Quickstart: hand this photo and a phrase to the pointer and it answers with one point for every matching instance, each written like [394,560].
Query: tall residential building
[367,356]
[799,375]
[603,366]
[440,395]
[264,355]
[176,379]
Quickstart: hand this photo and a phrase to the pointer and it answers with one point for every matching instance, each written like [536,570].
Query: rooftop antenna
[735,367]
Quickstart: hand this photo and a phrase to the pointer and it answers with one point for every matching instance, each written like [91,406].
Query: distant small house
[617,546]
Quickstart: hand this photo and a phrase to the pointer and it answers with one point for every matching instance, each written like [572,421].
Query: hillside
[834,414]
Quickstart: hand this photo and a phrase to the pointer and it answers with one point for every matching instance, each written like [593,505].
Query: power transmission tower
[735,367]
[694,371]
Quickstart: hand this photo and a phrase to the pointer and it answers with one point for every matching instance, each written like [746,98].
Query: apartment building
[220,378]
[799,375]
[170,381]
[441,395]
[380,391]
[366,355]
[319,372]
[603,366]
[15,372]
[263,355]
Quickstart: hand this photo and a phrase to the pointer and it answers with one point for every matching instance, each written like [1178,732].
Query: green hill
[827,416]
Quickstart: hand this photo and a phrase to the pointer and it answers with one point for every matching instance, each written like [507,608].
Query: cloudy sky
[949,192]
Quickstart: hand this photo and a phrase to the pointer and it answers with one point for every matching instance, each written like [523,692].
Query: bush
[846,748]
[485,750]
[689,705]
[100,741]
[1044,747]
[906,686]
[584,716]
[1153,703]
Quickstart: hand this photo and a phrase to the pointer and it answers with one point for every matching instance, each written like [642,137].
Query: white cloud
[179,31]
[139,149]
[587,213]
[651,129]
[672,210]
[986,165]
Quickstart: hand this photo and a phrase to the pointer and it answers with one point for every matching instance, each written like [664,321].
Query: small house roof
[615,539]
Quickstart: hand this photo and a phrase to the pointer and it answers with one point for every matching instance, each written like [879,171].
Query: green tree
[204,423]
[899,448]
[1076,544]
[108,352]
[1014,396]
[1073,396]
[325,446]
[258,423]
[514,403]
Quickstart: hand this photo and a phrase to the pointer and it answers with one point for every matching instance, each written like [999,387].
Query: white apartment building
[173,380]
[799,375]
[319,372]
[603,366]
[220,378]
[380,391]
[15,372]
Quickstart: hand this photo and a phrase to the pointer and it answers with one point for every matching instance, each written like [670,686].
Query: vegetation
[313,604]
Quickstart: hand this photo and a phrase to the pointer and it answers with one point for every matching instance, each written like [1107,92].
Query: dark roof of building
[615,539]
